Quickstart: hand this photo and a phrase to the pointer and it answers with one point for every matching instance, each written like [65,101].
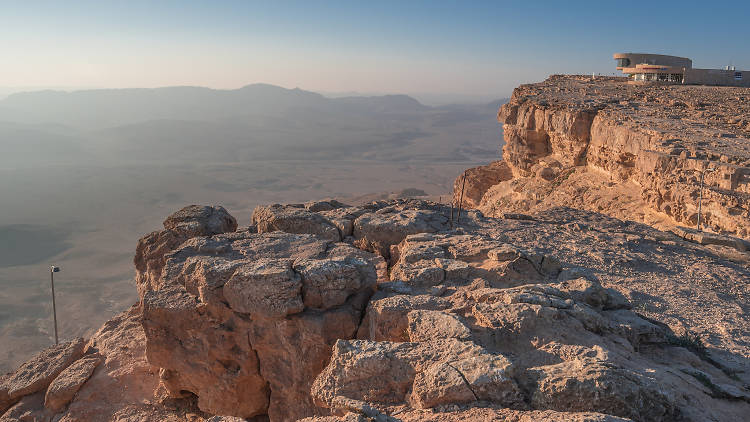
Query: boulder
[291,219]
[266,287]
[328,283]
[588,384]
[189,222]
[36,374]
[326,205]
[377,232]
[67,384]
[427,374]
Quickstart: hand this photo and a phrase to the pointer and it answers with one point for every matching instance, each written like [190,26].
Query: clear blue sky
[472,48]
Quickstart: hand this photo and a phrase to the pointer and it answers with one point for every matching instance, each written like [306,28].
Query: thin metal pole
[700,201]
[453,201]
[54,308]
[461,201]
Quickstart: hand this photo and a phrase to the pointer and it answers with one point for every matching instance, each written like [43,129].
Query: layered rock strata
[630,151]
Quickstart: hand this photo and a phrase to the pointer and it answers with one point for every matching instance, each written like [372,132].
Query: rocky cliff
[386,312]
[390,311]
[635,152]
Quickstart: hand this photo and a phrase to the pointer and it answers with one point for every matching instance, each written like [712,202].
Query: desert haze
[84,174]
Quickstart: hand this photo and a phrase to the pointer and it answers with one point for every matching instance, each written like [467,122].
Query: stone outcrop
[630,151]
[264,309]
[514,318]
[474,182]
[291,219]
[191,221]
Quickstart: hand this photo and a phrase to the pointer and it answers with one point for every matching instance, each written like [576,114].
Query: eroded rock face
[124,386]
[521,318]
[291,219]
[246,320]
[634,152]
[468,321]
[189,222]
[389,225]
[479,180]
[460,343]
[425,374]
[587,384]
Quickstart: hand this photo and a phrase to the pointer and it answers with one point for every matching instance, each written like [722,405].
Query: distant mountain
[113,107]
[255,122]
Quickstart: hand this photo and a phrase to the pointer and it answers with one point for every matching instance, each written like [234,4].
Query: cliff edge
[385,312]
[631,151]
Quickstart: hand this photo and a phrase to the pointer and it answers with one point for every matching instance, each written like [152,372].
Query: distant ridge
[114,107]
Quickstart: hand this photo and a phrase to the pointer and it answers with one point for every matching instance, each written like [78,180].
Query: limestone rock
[123,386]
[328,283]
[37,374]
[326,205]
[189,222]
[28,409]
[384,372]
[67,384]
[291,219]
[245,321]
[387,317]
[580,137]
[478,181]
[427,325]
[376,232]
[265,287]
[496,319]
[588,384]
[200,220]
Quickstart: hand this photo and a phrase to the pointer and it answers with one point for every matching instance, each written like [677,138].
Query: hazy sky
[461,47]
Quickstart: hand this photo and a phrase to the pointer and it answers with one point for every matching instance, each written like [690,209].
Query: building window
[738,76]
[623,62]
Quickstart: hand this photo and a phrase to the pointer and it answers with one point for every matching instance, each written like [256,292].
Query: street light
[52,270]
[700,195]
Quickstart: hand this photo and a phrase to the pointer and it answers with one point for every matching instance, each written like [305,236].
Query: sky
[459,48]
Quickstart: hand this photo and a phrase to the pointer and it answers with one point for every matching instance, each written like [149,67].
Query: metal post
[450,220]
[461,201]
[52,271]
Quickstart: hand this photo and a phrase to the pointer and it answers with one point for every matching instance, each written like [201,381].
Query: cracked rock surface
[562,315]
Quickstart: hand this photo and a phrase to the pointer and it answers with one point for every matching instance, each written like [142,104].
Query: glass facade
[658,77]
[623,62]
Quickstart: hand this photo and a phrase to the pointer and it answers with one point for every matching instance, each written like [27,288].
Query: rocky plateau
[567,291]
[631,151]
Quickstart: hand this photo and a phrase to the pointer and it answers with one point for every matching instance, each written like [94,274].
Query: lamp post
[700,196]
[52,270]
